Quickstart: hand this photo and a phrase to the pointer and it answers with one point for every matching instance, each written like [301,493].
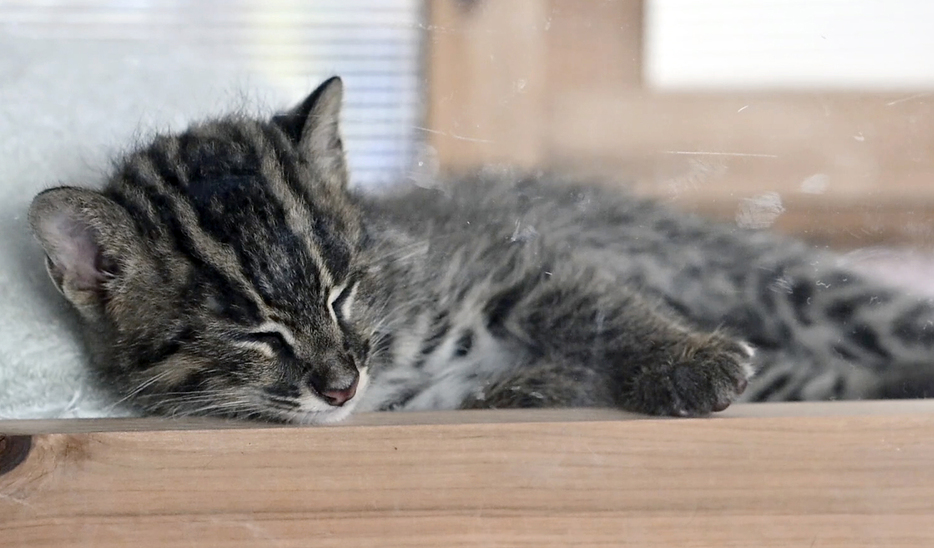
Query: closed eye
[341,300]
[272,343]
[273,339]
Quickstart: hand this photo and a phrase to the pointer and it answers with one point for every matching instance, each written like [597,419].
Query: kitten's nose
[336,393]
[338,398]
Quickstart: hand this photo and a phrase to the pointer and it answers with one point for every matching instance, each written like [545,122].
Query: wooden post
[486,72]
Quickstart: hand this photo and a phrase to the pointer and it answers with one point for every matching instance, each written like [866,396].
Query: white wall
[789,44]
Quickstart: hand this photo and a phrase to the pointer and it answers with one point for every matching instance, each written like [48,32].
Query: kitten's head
[216,273]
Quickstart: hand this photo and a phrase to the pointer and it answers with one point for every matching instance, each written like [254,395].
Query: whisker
[142,386]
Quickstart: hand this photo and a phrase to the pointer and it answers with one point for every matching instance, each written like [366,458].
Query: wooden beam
[822,475]
[840,223]
[830,145]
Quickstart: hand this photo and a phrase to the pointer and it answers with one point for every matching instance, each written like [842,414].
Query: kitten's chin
[313,410]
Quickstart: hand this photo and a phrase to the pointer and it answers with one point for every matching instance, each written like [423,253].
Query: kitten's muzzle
[337,387]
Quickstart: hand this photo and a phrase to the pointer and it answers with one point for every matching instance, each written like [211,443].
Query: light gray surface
[67,107]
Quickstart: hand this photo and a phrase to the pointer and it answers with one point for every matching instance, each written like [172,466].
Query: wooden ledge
[821,475]
[738,411]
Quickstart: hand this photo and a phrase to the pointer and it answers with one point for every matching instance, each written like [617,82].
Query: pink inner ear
[73,249]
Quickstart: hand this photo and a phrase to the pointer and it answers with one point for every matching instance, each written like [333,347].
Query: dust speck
[759,211]
[815,184]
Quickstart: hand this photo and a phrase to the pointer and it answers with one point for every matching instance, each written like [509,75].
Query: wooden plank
[28,427]
[823,475]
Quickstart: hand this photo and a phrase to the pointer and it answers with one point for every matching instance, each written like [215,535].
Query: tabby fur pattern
[228,270]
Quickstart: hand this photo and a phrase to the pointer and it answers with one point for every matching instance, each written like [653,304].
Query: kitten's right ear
[314,126]
[86,237]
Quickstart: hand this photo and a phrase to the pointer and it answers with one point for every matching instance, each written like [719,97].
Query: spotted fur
[228,270]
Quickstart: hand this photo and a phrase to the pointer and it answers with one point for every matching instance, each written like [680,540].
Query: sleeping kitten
[228,270]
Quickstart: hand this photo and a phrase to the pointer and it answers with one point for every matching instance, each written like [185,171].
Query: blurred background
[809,117]
[270,52]
[812,115]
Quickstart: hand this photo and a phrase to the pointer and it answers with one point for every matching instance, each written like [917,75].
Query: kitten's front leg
[649,361]
[544,385]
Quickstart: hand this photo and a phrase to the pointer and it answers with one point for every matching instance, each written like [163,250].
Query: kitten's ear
[314,126]
[85,237]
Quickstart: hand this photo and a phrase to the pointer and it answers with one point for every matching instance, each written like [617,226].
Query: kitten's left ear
[86,238]
[314,126]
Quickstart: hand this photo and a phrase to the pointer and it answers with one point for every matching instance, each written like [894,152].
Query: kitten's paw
[704,375]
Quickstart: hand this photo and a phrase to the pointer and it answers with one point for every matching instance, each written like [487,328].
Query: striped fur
[228,270]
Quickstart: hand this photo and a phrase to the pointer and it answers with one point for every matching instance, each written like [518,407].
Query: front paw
[702,375]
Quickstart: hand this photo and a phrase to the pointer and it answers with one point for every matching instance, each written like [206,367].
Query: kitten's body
[229,271]
[822,332]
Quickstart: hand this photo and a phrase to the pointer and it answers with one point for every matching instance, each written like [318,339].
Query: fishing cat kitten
[228,270]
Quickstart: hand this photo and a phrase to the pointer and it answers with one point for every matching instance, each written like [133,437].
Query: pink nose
[338,398]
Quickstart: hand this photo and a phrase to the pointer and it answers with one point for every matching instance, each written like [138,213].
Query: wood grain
[829,475]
